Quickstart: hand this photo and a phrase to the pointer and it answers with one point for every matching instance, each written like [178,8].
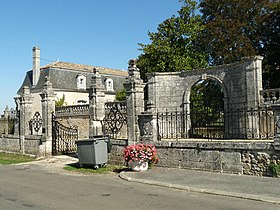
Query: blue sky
[94,32]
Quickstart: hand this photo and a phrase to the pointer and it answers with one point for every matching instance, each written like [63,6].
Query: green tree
[60,101]
[206,102]
[270,51]
[232,28]
[174,47]
[121,95]
[238,28]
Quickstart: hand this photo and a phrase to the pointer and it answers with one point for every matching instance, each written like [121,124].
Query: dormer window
[81,81]
[109,84]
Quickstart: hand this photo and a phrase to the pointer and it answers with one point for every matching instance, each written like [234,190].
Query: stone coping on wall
[218,140]
[120,142]
[213,68]
[218,145]
[27,137]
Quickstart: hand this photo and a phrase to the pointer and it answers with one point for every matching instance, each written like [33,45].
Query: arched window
[81,81]
[109,84]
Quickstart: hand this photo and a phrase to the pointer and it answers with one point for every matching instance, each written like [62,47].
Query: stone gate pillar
[135,101]
[253,80]
[48,107]
[149,131]
[276,110]
[96,104]
[6,118]
[25,100]
[17,112]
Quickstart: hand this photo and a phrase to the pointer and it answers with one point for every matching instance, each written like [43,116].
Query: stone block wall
[115,157]
[229,157]
[11,143]
[248,158]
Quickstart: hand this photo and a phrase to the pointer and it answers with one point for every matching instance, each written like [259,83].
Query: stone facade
[69,80]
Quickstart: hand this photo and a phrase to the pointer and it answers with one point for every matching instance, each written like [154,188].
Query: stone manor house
[69,80]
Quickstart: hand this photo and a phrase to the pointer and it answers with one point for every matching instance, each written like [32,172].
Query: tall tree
[270,51]
[174,46]
[238,28]
[232,28]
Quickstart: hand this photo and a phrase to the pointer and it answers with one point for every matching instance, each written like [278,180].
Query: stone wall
[256,163]
[11,143]
[3,123]
[229,157]
[240,82]
[115,157]
[248,158]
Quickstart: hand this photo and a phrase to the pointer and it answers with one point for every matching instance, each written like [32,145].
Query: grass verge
[10,158]
[102,170]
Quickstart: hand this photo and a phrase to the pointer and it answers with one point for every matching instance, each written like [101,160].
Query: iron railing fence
[236,124]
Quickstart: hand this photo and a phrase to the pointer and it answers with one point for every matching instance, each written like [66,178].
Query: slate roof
[63,76]
[84,68]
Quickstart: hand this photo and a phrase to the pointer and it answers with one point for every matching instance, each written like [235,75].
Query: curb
[123,175]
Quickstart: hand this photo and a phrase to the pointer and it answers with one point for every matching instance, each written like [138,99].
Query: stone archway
[169,92]
[187,106]
[207,110]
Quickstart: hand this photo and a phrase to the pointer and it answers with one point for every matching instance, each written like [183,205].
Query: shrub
[274,169]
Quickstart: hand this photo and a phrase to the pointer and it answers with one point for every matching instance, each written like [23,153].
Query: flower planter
[138,166]
[139,156]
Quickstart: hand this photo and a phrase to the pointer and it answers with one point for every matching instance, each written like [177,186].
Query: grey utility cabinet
[93,151]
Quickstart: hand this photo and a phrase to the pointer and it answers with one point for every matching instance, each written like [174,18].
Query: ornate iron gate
[64,138]
[207,122]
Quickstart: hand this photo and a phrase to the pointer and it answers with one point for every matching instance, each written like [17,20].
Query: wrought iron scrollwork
[36,122]
[115,118]
[278,126]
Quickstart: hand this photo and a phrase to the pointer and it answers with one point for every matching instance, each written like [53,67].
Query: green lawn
[9,158]
[102,170]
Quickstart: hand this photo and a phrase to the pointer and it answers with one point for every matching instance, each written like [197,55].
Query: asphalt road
[36,187]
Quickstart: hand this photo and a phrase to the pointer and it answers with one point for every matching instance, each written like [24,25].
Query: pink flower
[140,152]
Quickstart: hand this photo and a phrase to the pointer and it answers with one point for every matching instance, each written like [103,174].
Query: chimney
[36,65]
